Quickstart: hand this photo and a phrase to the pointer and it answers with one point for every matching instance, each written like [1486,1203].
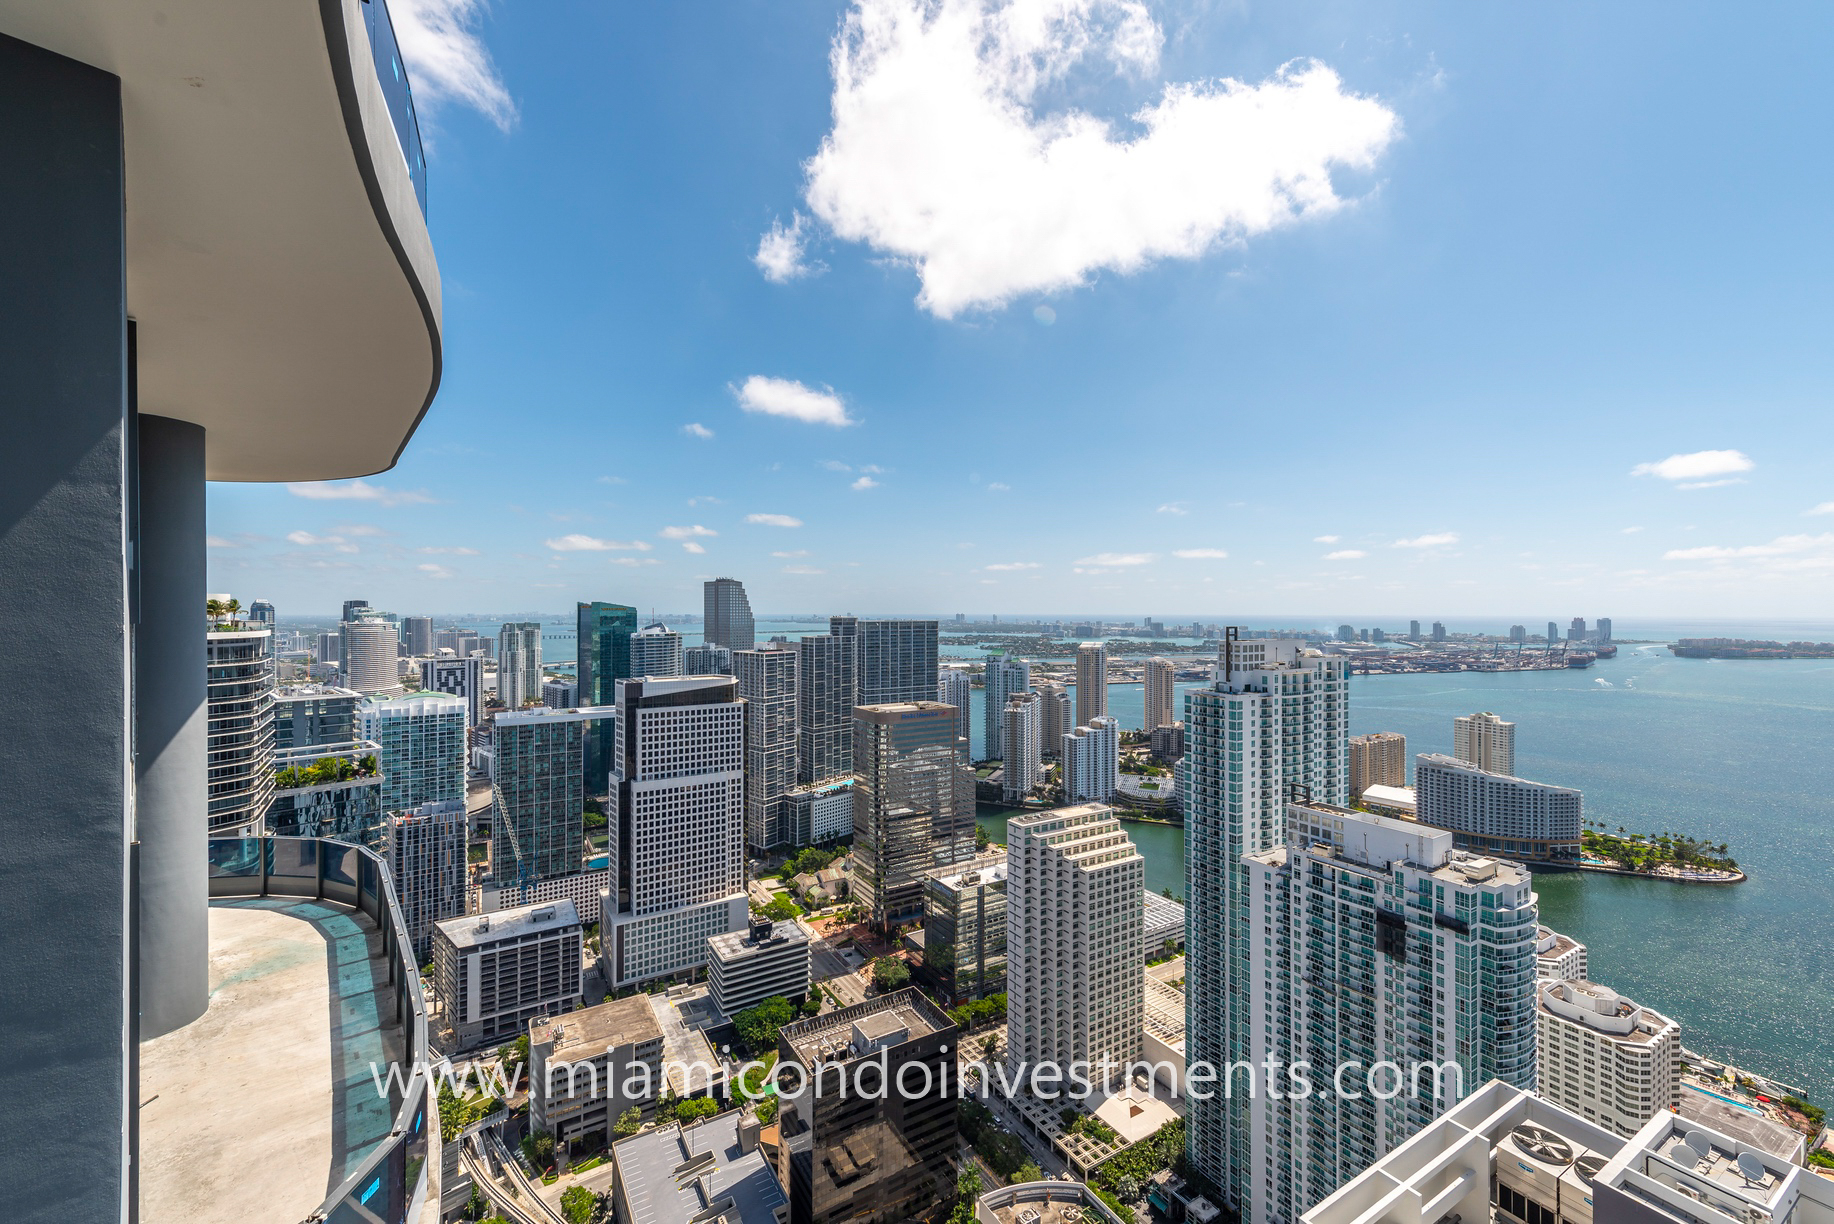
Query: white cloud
[835,465]
[999,486]
[1200,554]
[792,553]
[785,397]
[773,520]
[1439,539]
[1710,484]
[1109,558]
[692,547]
[1173,508]
[705,499]
[1824,508]
[585,543]
[1782,546]
[1013,565]
[447,60]
[1326,539]
[434,571]
[613,480]
[694,429]
[305,539]
[1346,554]
[1695,468]
[359,530]
[1634,530]
[635,561]
[357,490]
[686,533]
[782,249]
[219,542]
[942,154]
[863,483]
[802,569]
[456,552]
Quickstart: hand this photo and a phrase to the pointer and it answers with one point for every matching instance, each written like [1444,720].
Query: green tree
[577,1204]
[890,973]
[757,1026]
[538,1147]
[1028,1172]
[780,909]
[982,838]
[695,1108]
[629,1122]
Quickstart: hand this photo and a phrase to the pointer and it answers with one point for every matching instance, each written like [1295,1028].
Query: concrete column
[169,719]
[65,721]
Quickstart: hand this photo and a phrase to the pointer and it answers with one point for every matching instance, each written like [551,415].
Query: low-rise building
[1604,1057]
[1167,743]
[744,968]
[585,888]
[709,1171]
[1164,923]
[1391,800]
[819,812]
[496,972]
[587,1067]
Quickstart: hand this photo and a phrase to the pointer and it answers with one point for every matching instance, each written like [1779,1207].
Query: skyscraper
[1091,756]
[1413,629]
[678,823]
[655,650]
[460,677]
[355,609]
[1576,632]
[603,650]
[1486,741]
[825,687]
[1439,632]
[894,660]
[368,654]
[728,619]
[1019,740]
[1056,716]
[913,810]
[1377,759]
[261,614]
[955,688]
[1372,944]
[706,660]
[1091,682]
[767,684]
[1161,676]
[1553,633]
[417,635]
[423,747]
[240,729]
[538,794]
[1075,975]
[1275,719]
[518,663]
[1601,632]
[1003,677]
[425,850]
[1601,1055]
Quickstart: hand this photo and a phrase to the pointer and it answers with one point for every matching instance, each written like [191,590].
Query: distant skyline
[1525,312]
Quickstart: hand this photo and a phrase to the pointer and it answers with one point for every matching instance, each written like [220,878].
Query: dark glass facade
[604,631]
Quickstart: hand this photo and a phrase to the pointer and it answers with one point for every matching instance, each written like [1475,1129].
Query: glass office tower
[604,659]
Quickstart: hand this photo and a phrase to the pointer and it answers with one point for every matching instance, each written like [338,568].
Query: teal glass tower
[604,659]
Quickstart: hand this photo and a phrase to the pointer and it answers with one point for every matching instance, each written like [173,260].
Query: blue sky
[1347,310]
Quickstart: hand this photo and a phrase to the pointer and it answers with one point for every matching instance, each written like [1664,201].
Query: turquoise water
[1731,751]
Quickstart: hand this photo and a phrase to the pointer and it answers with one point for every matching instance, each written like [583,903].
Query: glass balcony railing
[393,1176]
[393,74]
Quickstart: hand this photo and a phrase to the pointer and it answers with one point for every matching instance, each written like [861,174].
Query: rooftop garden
[327,770]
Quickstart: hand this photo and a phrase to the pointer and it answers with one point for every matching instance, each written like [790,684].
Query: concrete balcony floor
[259,1108]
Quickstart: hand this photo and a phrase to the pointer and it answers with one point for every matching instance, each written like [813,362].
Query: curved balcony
[302,1092]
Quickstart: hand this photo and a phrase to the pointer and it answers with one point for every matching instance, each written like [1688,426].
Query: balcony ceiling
[279,268]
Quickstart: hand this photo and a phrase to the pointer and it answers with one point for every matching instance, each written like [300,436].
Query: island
[1663,856]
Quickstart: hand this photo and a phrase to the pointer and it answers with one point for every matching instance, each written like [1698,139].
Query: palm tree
[233,608]
[213,608]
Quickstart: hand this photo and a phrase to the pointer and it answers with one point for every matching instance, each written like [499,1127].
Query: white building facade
[678,822]
[1495,813]
[1020,740]
[1605,1058]
[655,650]
[1091,756]
[1486,741]
[1004,676]
[1074,945]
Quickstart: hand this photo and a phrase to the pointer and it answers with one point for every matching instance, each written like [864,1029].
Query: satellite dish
[1750,1166]
[1684,1155]
[1697,1139]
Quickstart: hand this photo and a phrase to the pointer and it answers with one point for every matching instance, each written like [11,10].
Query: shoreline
[1737,877]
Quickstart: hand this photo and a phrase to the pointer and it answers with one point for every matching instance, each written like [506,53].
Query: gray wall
[64,619]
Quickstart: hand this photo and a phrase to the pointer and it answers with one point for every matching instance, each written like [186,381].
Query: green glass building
[604,659]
